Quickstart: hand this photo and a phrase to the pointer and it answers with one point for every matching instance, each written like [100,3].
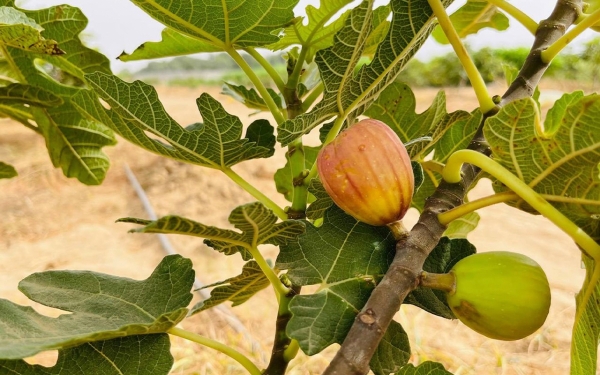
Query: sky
[118,25]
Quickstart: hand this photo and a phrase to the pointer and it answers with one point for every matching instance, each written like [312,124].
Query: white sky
[118,25]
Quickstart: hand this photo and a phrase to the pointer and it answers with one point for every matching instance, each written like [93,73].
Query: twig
[403,275]
[223,311]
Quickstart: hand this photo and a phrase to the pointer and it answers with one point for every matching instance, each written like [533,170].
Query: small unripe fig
[367,172]
[500,294]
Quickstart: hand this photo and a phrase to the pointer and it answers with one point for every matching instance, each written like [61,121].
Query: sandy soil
[49,222]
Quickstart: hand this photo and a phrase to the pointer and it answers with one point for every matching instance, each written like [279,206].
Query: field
[49,222]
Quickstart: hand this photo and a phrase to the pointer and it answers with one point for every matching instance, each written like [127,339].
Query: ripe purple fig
[367,172]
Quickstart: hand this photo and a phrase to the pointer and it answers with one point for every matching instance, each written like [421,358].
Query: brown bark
[403,275]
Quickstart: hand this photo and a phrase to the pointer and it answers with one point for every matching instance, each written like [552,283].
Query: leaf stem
[279,118]
[447,217]
[312,96]
[255,193]
[267,67]
[517,14]
[232,353]
[280,289]
[452,174]
[550,53]
[294,77]
[486,103]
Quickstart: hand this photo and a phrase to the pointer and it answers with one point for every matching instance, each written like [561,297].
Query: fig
[500,294]
[366,170]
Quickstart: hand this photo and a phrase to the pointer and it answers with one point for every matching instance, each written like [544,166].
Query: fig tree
[502,295]
[367,172]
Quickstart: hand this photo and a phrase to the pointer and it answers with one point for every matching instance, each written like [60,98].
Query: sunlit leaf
[315,35]
[381,26]
[102,307]
[7,171]
[19,31]
[224,23]
[136,111]
[172,44]
[472,17]
[584,347]
[425,368]
[74,143]
[141,355]
[560,159]
[250,97]
[257,223]
[237,289]
[462,226]
[347,94]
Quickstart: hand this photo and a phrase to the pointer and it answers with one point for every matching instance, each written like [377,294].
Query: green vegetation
[441,71]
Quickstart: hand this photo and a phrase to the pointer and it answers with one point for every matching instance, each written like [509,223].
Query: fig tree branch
[403,275]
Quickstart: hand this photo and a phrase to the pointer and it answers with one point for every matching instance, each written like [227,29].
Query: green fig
[367,172]
[502,295]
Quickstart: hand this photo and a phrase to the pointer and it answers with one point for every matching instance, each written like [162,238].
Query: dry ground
[49,222]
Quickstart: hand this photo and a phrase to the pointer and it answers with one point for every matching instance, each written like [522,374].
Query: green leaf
[441,260]
[347,94]
[445,133]
[315,35]
[462,226]
[19,31]
[346,258]
[419,175]
[584,347]
[430,182]
[283,176]
[262,134]
[425,368]
[381,26]
[392,352]
[560,159]
[172,44]
[7,171]
[472,17]
[322,202]
[224,23]
[250,97]
[237,289]
[142,355]
[26,94]
[102,306]
[257,223]
[74,143]
[136,109]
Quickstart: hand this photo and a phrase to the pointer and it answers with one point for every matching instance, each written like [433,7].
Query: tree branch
[403,275]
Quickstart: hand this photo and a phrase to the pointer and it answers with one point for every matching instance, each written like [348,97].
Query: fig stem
[585,23]
[447,217]
[256,193]
[398,229]
[486,104]
[451,174]
[280,290]
[440,281]
[210,343]
[517,14]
